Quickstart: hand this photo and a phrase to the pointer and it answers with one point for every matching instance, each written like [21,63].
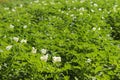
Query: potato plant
[60,40]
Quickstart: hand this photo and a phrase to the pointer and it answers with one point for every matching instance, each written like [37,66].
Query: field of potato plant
[59,39]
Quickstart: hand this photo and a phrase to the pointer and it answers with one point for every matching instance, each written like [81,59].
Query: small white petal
[9,47]
[88,60]
[81,1]
[62,11]
[103,17]
[0,67]
[5,36]
[94,78]
[74,8]
[31,2]
[11,26]
[93,28]
[36,1]
[95,4]
[25,26]
[72,15]
[111,28]
[82,9]
[92,10]
[73,1]
[100,9]
[68,8]
[99,28]
[1,50]
[13,10]
[81,13]
[6,8]
[67,13]
[21,5]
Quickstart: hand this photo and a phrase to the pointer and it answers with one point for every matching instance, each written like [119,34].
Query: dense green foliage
[84,34]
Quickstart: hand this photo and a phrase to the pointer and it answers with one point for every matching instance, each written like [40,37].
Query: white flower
[100,9]
[29,23]
[56,59]
[94,78]
[74,8]
[23,41]
[1,50]
[73,1]
[11,26]
[62,11]
[66,1]
[5,64]
[67,13]
[100,73]
[59,10]
[44,58]
[92,10]
[52,3]
[99,28]
[5,36]
[111,28]
[6,8]
[9,47]
[34,50]
[95,4]
[102,17]
[31,2]
[108,35]
[114,8]
[72,15]
[81,13]
[43,51]
[0,67]
[68,8]
[13,10]
[108,12]
[21,5]
[15,7]
[93,28]
[18,20]
[36,1]
[82,1]
[43,2]
[16,39]
[82,9]
[88,60]
[25,26]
